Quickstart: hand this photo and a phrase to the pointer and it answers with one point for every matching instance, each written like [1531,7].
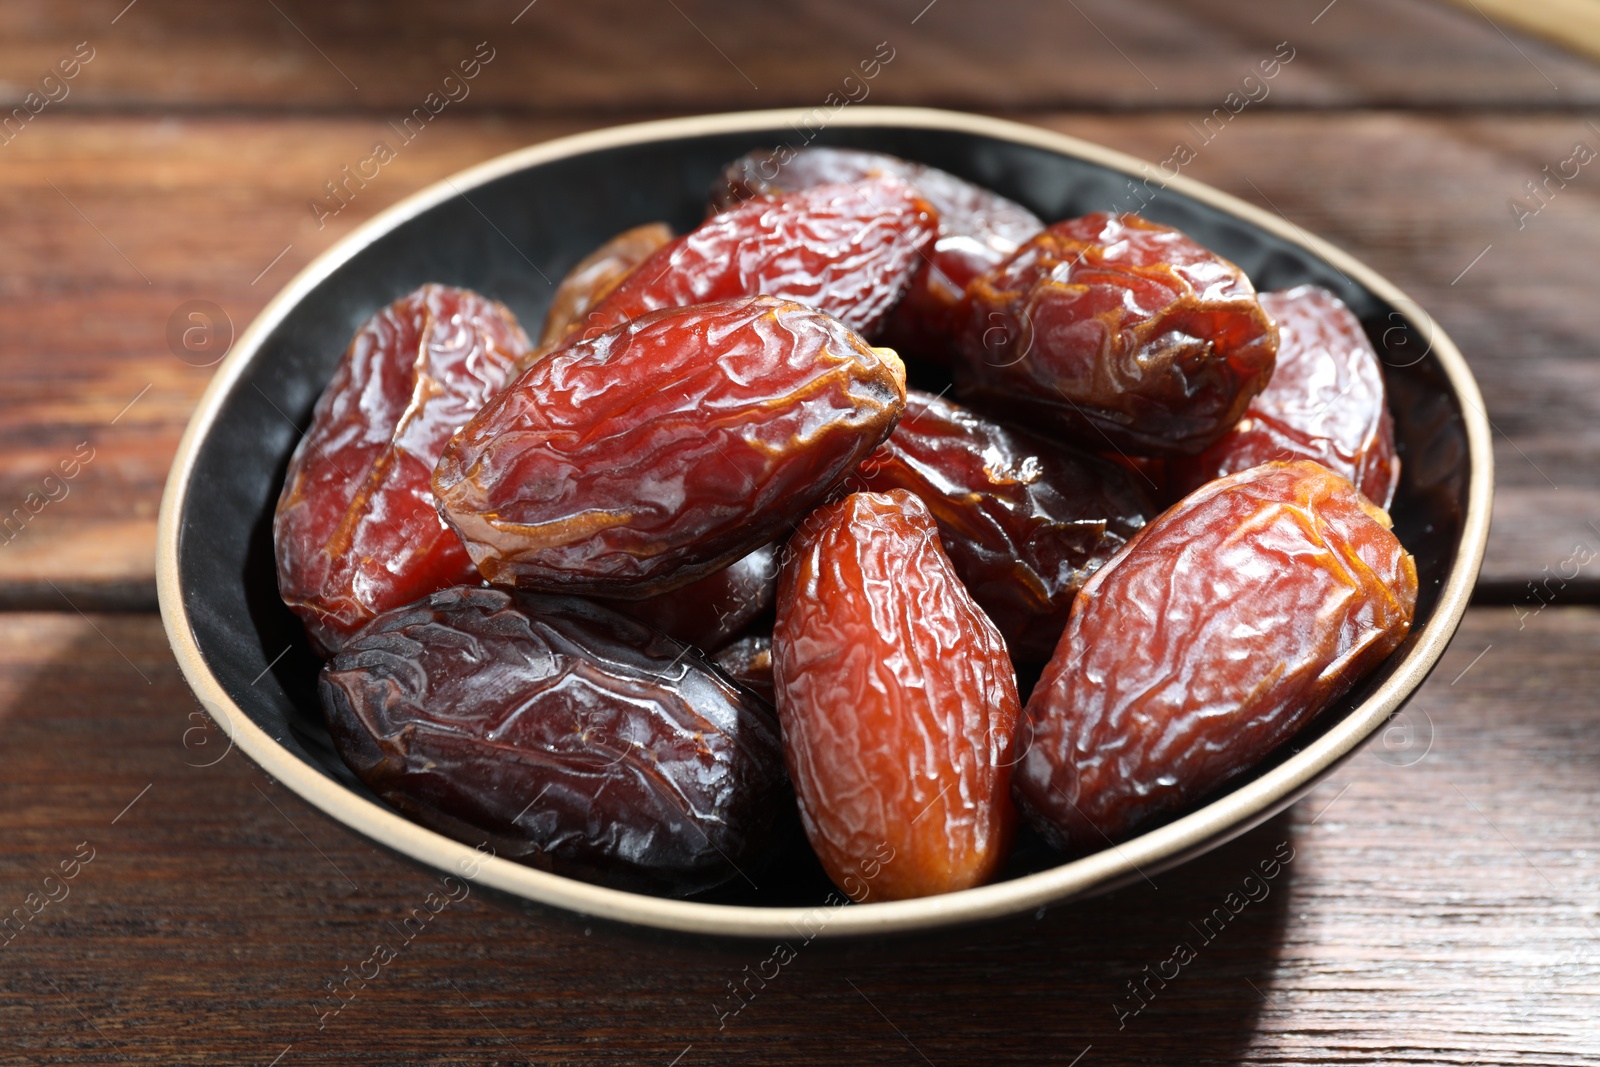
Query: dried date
[1119,332]
[711,612]
[570,737]
[1325,402]
[978,228]
[1224,627]
[897,702]
[1023,520]
[597,274]
[748,661]
[657,453]
[356,532]
[845,249]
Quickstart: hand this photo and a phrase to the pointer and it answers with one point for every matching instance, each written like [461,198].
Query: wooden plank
[714,55]
[113,226]
[201,209]
[1439,909]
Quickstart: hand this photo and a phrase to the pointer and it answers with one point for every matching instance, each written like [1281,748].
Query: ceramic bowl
[512,226]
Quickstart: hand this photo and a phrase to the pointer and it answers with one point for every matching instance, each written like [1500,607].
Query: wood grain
[1440,908]
[114,223]
[714,55]
[1441,904]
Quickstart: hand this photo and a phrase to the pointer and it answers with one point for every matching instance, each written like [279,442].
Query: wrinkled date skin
[1325,402]
[847,250]
[897,701]
[568,736]
[1224,627]
[356,532]
[642,460]
[597,274]
[978,228]
[1024,521]
[713,611]
[1119,332]
[748,661]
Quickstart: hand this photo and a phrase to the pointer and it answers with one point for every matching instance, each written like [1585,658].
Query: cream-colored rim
[1243,807]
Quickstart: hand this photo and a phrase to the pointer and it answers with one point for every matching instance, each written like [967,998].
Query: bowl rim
[1228,815]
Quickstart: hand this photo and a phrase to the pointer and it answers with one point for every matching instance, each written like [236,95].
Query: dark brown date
[1023,520]
[1224,627]
[748,661]
[978,228]
[652,455]
[1325,402]
[848,250]
[567,736]
[897,701]
[714,610]
[597,274]
[1119,332]
[356,532]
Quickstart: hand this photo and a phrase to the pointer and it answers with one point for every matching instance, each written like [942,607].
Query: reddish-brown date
[978,228]
[1325,402]
[1225,626]
[712,611]
[1119,332]
[356,531]
[646,458]
[597,274]
[569,737]
[845,249]
[748,661]
[1023,520]
[897,701]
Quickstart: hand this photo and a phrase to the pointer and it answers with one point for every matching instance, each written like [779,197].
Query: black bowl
[512,226]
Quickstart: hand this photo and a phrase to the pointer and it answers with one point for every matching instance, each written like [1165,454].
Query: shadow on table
[1177,969]
[1174,971]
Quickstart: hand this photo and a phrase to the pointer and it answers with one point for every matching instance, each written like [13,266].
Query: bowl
[511,227]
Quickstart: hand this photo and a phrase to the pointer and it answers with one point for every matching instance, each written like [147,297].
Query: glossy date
[356,532]
[748,661]
[1024,521]
[712,611]
[896,698]
[597,274]
[848,250]
[568,736]
[1325,402]
[1119,332]
[657,453]
[1224,627]
[978,228]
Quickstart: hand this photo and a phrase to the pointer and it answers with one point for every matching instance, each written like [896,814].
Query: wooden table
[1441,905]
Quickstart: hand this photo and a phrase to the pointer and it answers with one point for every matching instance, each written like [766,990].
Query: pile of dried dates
[622,602]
